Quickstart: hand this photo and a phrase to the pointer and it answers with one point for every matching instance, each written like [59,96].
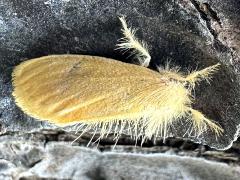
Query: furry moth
[100,93]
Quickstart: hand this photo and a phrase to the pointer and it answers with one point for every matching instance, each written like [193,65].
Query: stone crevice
[213,23]
[202,8]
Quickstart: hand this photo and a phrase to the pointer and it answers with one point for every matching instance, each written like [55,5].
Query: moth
[106,95]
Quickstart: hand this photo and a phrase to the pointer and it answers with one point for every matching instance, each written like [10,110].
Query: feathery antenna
[204,74]
[139,49]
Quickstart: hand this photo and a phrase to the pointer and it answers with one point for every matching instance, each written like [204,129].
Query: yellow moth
[105,94]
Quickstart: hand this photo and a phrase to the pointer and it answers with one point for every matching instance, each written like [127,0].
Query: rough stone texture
[190,33]
[225,26]
[182,31]
[26,159]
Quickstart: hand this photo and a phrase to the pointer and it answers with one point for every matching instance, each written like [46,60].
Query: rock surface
[190,33]
[28,159]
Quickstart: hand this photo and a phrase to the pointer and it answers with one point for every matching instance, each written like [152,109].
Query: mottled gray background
[190,33]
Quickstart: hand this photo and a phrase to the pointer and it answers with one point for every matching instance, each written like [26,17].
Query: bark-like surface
[190,33]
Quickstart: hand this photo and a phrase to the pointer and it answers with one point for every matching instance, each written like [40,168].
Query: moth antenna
[130,42]
[201,123]
[205,74]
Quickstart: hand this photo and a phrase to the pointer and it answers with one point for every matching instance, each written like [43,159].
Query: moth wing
[66,89]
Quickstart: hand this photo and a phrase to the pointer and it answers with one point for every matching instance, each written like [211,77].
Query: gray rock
[34,160]
[189,33]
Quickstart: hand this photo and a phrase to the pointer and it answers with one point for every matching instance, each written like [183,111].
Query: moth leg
[130,42]
[201,123]
[204,74]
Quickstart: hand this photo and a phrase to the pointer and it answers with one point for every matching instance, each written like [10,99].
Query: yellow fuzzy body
[73,89]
